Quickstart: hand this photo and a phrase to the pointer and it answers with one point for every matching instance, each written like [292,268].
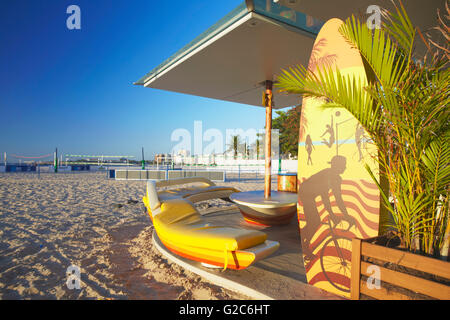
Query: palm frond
[337,91]
[377,49]
[400,28]
[435,158]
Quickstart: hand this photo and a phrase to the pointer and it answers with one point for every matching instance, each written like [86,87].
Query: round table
[276,210]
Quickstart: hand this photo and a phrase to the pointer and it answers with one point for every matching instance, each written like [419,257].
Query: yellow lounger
[185,232]
[204,189]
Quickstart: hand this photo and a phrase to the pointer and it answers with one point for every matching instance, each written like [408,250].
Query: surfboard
[337,198]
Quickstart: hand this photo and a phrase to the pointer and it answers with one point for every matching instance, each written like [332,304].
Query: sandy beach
[51,222]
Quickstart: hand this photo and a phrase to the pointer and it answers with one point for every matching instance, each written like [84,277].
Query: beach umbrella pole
[268,148]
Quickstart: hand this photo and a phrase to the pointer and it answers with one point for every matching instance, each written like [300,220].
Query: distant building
[163,158]
[183,153]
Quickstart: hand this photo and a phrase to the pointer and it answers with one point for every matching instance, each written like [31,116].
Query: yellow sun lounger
[185,232]
[203,189]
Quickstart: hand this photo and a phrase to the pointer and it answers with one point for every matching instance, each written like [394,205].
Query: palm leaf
[435,158]
[399,27]
[341,91]
[377,49]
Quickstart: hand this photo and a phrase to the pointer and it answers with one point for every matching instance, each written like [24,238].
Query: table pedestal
[278,209]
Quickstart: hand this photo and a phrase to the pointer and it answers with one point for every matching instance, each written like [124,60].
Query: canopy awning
[232,59]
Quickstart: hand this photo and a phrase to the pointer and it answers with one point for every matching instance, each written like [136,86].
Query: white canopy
[232,59]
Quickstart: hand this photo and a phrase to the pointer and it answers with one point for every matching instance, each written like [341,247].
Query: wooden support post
[268,142]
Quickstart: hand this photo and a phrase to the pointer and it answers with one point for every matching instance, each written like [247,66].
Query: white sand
[97,224]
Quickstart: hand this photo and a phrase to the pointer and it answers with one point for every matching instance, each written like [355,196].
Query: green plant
[235,145]
[404,110]
[258,142]
[288,123]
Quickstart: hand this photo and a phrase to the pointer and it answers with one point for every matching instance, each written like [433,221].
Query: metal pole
[268,147]
[143,160]
[55,164]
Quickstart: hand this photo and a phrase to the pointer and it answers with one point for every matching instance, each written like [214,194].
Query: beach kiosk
[247,50]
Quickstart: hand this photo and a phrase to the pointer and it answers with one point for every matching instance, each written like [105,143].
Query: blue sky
[73,89]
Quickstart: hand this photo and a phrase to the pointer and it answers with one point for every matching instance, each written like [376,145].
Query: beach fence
[20,168]
[233,170]
[138,174]
[47,163]
[246,170]
[20,163]
[168,174]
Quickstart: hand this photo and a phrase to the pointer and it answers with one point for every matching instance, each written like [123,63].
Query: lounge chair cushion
[181,222]
[178,211]
[187,192]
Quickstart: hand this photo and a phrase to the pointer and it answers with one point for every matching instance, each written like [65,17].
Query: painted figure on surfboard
[329,130]
[309,148]
[359,135]
[319,185]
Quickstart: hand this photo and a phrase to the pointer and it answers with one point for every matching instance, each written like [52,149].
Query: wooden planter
[395,268]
